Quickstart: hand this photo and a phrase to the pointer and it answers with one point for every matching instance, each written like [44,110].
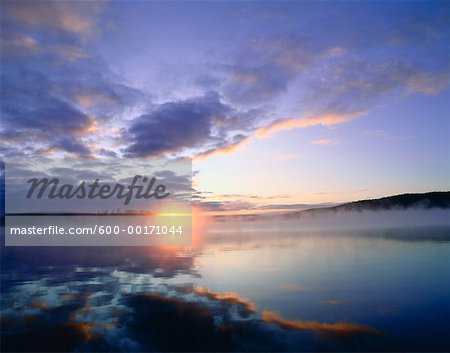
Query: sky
[280,105]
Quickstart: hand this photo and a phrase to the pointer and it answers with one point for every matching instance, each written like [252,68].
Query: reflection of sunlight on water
[199,224]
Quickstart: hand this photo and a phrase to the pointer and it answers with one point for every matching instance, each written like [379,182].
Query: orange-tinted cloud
[19,43]
[69,52]
[428,83]
[290,124]
[336,328]
[74,17]
[90,128]
[243,77]
[286,124]
[229,149]
[376,133]
[89,99]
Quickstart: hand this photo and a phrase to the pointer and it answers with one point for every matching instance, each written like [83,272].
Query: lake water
[241,287]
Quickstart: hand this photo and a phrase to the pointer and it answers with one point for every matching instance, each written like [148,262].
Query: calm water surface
[241,287]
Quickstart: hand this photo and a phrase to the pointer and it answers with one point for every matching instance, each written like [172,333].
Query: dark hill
[427,200]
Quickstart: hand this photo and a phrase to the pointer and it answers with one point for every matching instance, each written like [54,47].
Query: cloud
[17,44]
[53,123]
[253,197]
[336,80]
[49,117]
[71,145]
[428,83]
[294,206]
[334,75]
[381,134]
[93,98]
[226,205]
[359,82]
[196,123]
[325,142]
[74,17]
[331,302]
[48,121]
[70,52]
[175,125]
[271,65]
[50,104]
[246,202]
[314,75]
[257,83]
[376,133]
[290,124]
[421,27]
[228,147]
[344,328]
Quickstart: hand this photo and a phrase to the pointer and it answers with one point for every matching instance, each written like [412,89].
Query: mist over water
[350,281]
[392,218]
[336,220]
